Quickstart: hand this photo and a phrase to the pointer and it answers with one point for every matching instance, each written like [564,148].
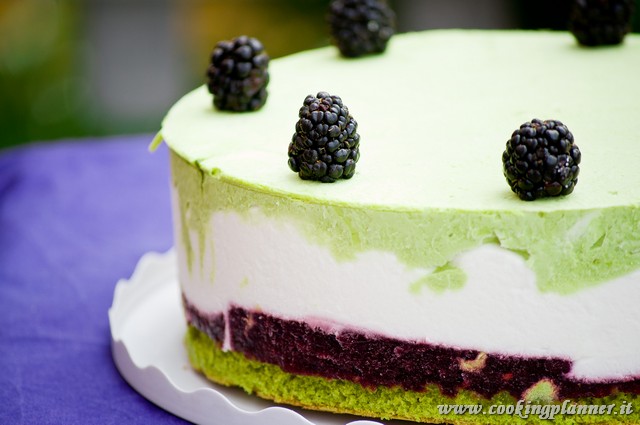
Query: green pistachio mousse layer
[434,113]
[314,392]
[567,249]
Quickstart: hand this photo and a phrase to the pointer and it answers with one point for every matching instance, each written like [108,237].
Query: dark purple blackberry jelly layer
[371,360]
[210,324]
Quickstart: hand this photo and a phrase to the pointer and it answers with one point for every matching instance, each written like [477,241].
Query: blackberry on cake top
[541,160]
[325,145]
[238,74]
[360,27]
[600,22]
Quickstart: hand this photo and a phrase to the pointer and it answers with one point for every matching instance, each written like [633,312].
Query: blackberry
[360,27]
[325,146]
[600,22]
[238,75]
[541,160]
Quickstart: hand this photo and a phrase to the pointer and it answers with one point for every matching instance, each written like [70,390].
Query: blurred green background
[71,68]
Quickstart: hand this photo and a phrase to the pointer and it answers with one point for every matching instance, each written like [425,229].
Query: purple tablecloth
[75,216]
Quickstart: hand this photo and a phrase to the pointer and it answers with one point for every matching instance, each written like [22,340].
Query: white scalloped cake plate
[147,331]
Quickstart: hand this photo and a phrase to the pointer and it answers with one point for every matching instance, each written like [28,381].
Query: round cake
[423,282]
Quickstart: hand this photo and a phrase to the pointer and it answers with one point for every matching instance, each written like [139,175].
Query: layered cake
[423,280]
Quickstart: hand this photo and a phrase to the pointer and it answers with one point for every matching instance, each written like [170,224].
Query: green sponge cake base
[268,381]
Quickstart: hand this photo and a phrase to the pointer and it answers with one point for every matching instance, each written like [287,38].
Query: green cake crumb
[543,391]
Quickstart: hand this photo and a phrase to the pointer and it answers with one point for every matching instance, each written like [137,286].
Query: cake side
[425,253]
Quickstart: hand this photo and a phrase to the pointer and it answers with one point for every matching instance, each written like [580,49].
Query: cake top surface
[434,113]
